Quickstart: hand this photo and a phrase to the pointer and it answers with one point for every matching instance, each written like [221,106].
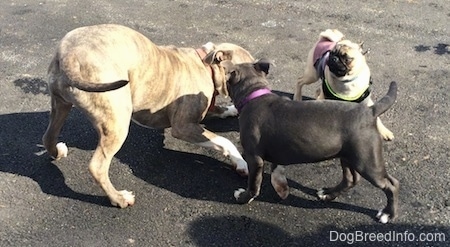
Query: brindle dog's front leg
[194,133]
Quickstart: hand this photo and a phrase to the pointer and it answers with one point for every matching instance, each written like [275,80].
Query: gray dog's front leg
[256,166]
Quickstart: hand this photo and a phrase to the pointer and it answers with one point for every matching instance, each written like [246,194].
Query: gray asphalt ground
[184,194]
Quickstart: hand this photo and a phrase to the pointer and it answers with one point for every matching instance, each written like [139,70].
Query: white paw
[231,111]
[383,217]
[62,150]
[242,168]
[387,135]
[238,192]
[241,198]
[321,194]
[127,199]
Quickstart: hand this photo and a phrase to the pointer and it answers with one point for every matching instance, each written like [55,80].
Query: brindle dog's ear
[218,56]
[263,65]
[228,66]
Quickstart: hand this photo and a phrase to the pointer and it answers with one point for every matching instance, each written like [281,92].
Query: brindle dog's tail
[98,87]
[71,68]
[386,102]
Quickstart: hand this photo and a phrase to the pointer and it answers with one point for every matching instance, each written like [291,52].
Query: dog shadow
[190,175]
[21,137]
[198,173]
[246,231]
[32,85]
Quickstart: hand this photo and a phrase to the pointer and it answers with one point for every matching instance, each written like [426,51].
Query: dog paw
[321,194]
[230,111]
[383,217]
[62,150]
[125,199]
[387,136]
[324,195]
[242,168]
[242,196]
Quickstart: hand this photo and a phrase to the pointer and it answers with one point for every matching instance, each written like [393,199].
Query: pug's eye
[334,58]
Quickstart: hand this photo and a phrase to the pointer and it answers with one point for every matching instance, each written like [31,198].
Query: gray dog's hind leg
[349,179]
[390,187]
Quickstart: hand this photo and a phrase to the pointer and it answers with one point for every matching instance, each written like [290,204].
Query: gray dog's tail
[97,87]
[386,102]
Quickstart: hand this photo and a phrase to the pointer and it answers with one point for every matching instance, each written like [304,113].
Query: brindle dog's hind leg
[59,111]
[111,119]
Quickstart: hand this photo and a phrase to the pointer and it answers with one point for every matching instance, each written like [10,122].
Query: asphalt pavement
[184,193]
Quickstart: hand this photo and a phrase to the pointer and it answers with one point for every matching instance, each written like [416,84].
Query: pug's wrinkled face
[345,58]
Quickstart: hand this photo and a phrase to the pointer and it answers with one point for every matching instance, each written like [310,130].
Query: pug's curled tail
[386,102]
[332,35]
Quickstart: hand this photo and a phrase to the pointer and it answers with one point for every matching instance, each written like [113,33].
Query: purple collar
[252,96]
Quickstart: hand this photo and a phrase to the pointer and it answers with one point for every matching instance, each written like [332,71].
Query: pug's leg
[384,132]
[309,76]
[319,94]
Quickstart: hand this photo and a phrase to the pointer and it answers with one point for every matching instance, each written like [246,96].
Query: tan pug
[342,67]
[114,74]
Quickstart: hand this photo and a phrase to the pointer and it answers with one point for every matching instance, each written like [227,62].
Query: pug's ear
[263,65]
[218,56]
[361,44]
[364,52]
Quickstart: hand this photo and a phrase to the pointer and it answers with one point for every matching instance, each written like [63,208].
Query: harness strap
[330,94]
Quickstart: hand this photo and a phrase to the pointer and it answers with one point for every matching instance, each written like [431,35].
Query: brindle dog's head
[224,52]
[346,58]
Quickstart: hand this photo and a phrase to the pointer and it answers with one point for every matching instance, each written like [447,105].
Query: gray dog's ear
[263,65]
[218,56]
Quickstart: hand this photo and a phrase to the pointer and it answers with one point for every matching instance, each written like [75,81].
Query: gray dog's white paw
[62,150]
[382,217]
[242,196]
[321,194]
